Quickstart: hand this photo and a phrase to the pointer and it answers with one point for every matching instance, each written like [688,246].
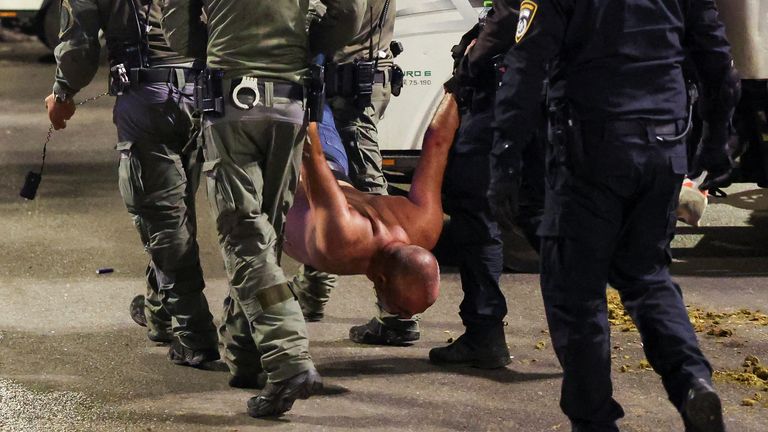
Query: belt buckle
[246,84]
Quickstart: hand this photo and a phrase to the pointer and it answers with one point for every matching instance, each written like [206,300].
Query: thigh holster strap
[274,295]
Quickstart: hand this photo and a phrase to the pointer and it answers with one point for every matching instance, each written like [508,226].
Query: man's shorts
[333,148]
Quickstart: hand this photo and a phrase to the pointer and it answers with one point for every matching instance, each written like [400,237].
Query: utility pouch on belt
[364,76]
[209,92]
[351,80]
[565,136]
[316,90]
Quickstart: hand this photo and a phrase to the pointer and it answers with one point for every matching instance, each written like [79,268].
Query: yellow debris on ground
[709,322]
[752,375]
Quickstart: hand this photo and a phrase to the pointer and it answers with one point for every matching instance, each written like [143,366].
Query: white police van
[36,17]
[428,30]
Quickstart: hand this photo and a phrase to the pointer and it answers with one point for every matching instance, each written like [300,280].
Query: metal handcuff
[247,83]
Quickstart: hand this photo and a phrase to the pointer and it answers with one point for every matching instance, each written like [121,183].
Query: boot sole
[479,364]
[705,413]
[136,309]
[385,340]
[160,339]
[211,357]
[285,402]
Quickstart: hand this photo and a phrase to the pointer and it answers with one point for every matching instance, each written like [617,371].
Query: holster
[565,137]
[396,80]
[209,92]
[316,92]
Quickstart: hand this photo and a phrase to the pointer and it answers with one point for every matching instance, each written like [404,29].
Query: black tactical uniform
[473,234]
[615,164]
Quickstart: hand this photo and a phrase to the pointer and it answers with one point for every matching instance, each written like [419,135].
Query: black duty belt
[638,127]
[379,77]
[163,75]
[280,89]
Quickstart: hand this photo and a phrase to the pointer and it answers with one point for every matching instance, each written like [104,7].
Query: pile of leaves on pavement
[711,323]
[753,375]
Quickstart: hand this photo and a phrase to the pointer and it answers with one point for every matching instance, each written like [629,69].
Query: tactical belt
[637,127]
[379,77]
[280,89]
[166,75]
[122,78]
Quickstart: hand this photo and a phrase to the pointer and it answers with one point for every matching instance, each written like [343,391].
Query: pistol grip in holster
[209,92]
[565,137]
[316,93]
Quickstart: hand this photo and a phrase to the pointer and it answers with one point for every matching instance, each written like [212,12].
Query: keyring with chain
[31,183]
[50,128]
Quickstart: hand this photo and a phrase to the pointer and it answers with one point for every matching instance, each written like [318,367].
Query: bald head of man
[406,278]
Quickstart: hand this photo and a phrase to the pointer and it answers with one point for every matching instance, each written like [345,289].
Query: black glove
[713,156]
[504,187]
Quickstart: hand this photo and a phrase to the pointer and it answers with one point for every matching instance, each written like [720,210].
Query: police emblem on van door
[527,12]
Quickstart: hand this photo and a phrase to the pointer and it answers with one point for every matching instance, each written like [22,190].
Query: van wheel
[50,20]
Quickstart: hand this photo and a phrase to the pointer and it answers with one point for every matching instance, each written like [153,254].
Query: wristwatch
[61,98]
[60,95]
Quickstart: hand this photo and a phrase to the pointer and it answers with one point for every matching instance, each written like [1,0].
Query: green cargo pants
[358,130]
[252,169]
[159,174]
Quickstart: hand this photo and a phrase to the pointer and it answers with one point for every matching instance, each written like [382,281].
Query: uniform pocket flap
[210,165]
[124,146]
[679,164]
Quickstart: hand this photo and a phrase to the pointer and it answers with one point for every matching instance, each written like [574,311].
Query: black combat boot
[703,411]
[139,316]
[181,355]
[278,397]
[257,381]
[486,349]
[386,331]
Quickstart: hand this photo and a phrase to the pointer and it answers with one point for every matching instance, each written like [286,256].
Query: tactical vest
[134,37]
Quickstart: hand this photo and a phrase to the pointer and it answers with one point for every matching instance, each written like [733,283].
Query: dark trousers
[473,235]
[610,220]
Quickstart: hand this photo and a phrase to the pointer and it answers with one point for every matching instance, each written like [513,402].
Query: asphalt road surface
[72,359]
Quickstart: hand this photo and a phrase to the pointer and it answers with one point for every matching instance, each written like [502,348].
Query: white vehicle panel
[427,30]
[20,5]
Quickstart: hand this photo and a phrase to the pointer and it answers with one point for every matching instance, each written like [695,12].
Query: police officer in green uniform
[357,107]
[159,170]
[254,127]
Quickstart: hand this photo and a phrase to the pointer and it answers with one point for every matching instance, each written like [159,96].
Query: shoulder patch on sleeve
[527,13]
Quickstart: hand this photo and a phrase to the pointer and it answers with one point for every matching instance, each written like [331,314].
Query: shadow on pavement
[339,367]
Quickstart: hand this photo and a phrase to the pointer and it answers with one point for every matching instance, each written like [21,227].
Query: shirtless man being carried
[337,229]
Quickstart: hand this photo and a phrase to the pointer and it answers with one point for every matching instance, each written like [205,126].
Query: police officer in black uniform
[615,163]
[473,234]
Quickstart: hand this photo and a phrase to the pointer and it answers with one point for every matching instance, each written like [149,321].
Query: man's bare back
[338,229]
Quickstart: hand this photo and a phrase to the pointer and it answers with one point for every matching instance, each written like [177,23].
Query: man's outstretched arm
[323,191]
[428,177]
[336,227]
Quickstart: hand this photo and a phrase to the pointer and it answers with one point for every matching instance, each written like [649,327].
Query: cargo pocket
[671,227]
[129,176]
[679,164]
[219,193]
